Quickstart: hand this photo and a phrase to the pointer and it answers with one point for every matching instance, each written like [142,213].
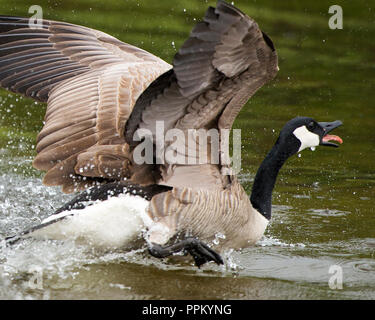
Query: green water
[323,200]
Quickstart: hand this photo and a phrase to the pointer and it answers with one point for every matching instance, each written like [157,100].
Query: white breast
[112,223]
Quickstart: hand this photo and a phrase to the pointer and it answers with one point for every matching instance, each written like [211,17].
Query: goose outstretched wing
[226,59]
[90,81]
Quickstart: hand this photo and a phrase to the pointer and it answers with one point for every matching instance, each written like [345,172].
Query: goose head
[297,134]
[305,132]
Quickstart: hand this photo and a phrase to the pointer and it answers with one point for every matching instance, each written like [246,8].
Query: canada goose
[100,91]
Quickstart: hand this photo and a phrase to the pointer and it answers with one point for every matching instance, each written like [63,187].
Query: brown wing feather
[220,66]
[90,81]
[223,46]
[84,131]
[31,57]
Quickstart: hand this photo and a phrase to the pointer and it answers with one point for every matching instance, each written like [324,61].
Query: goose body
[122,221]
[223,218]
[101,93]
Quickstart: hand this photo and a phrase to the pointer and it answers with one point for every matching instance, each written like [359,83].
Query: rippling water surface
[323,212]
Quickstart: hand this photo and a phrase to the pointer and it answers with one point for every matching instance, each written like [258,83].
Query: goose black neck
[261,195]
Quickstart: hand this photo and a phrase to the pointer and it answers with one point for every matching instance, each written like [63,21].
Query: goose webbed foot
[200,252]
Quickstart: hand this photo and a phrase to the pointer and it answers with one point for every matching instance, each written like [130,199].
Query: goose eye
[311,125]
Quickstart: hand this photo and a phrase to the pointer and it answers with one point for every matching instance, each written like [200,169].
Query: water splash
[271,241]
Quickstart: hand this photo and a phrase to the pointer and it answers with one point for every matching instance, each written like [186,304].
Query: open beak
[327,138]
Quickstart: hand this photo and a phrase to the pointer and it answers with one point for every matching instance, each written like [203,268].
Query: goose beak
[328,127]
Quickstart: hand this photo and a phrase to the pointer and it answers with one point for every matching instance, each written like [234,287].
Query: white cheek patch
[308,139]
